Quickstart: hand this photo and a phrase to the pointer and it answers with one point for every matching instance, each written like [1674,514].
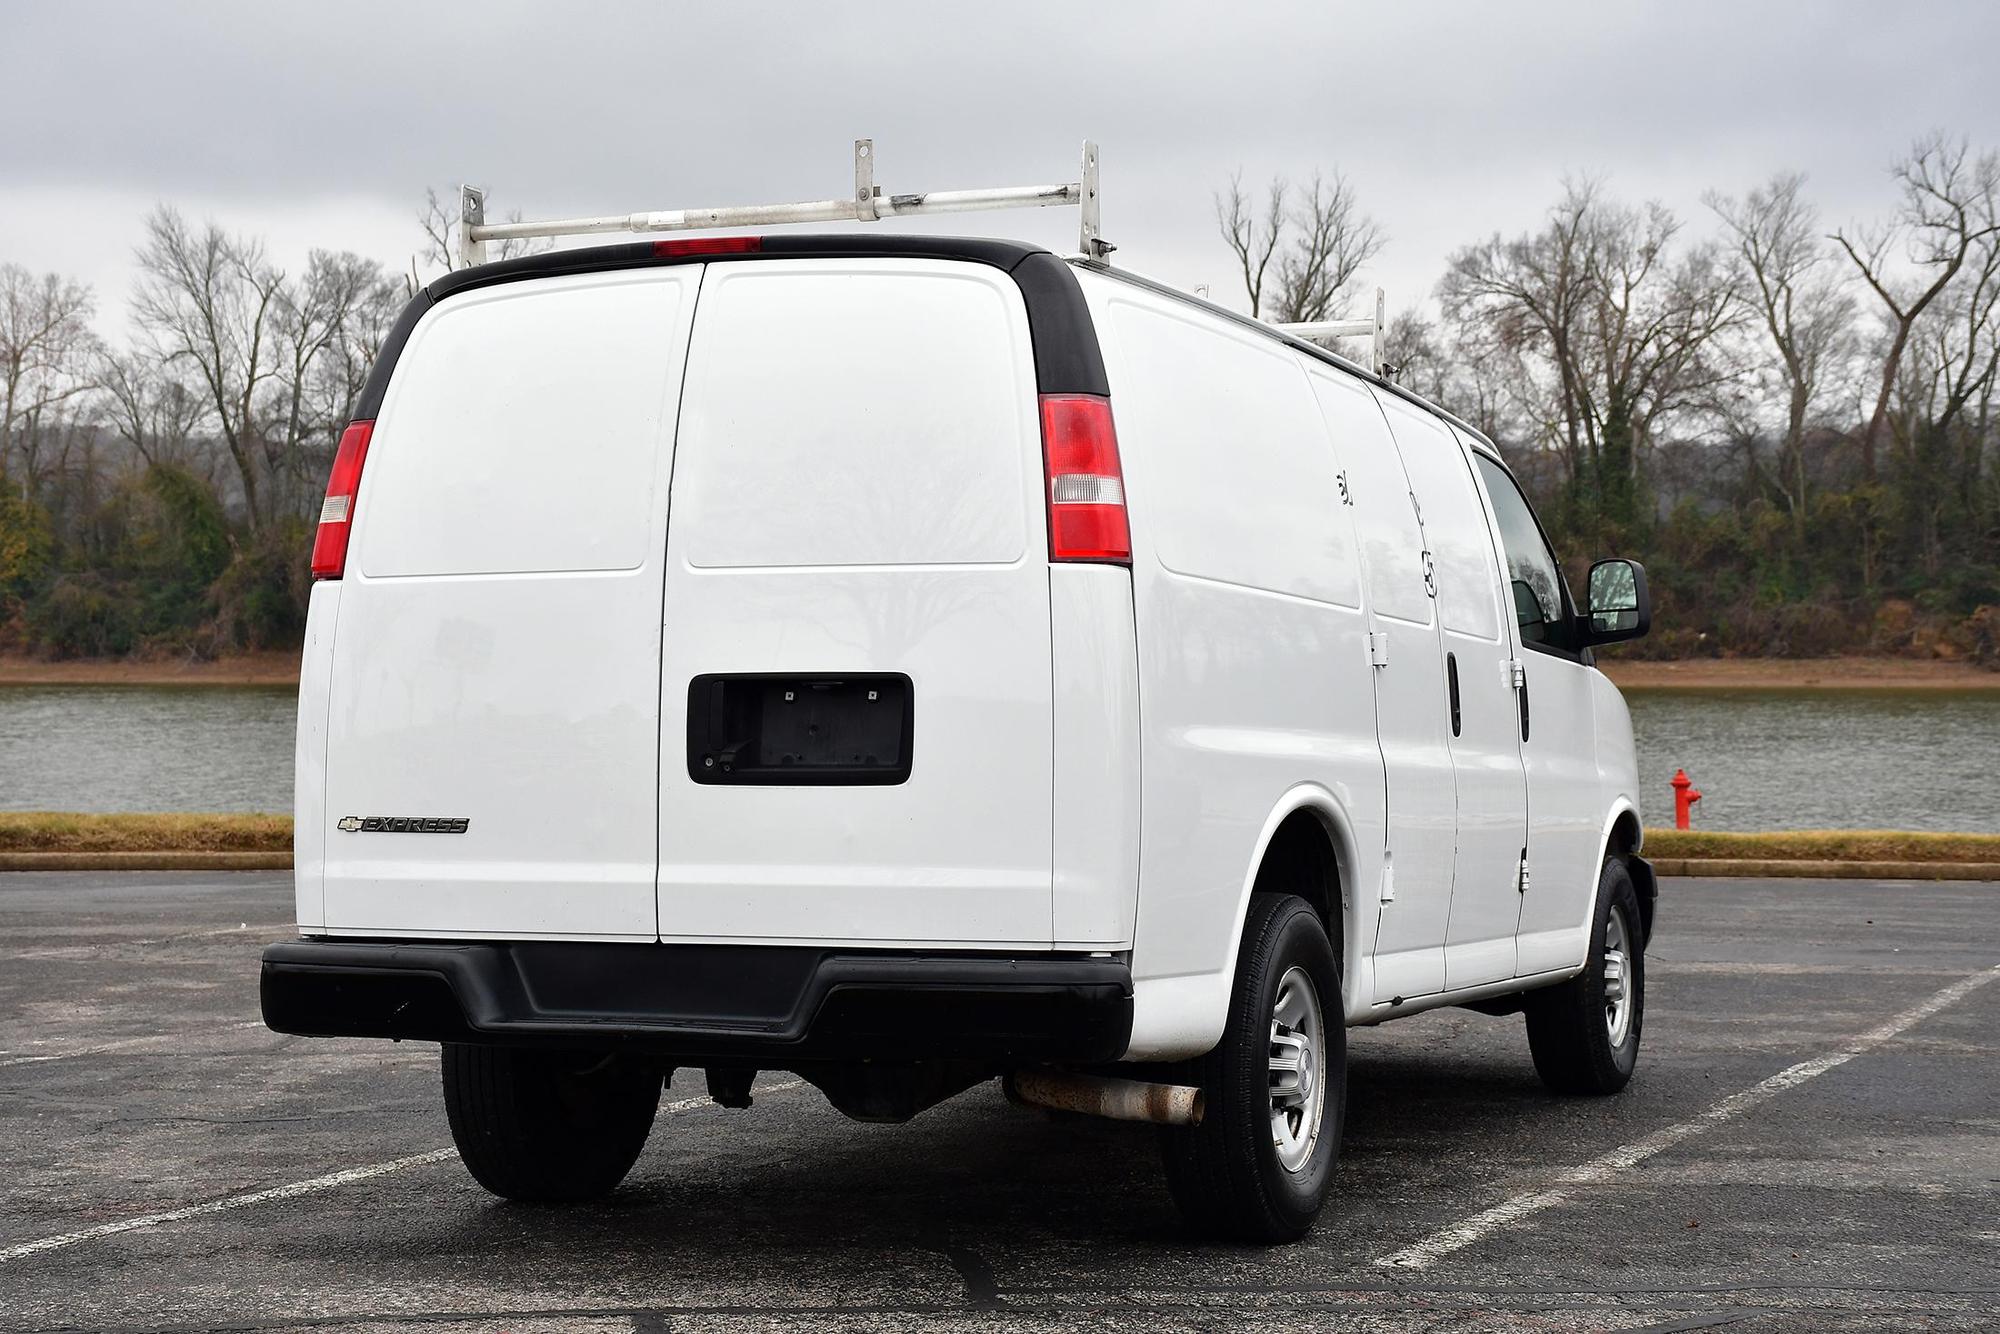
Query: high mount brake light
[1086,486]
[708,245]
[336,512]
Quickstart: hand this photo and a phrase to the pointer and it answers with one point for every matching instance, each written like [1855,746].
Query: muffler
[1099,1095]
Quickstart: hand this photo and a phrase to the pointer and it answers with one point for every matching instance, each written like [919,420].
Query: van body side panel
[1096,748]
[858,490]
[1410,695]
[309,823]
[498,661]
[1252,649]
[1485,735]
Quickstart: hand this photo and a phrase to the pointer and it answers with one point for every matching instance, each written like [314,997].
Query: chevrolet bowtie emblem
[350,823]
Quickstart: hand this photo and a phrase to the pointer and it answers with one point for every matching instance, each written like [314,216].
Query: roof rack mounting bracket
[1371,329]
[1091,240]
[866,204]
[471,215]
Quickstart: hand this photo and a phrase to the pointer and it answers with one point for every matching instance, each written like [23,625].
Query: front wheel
[548,1125]
[1275,1088]
[1584,1033]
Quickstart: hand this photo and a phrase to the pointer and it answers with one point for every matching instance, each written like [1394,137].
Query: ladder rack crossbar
[767,215]
[1331,329]
[868,204]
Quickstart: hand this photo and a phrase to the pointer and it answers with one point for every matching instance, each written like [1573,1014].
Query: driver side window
[1533,578]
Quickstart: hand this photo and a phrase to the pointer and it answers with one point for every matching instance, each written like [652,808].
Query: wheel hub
[1297,1069]
[1617,978]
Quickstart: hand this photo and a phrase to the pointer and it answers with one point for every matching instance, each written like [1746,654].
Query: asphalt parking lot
[1812,1142]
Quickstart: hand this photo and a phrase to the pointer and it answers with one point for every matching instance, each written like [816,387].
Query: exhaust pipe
[1098,1095]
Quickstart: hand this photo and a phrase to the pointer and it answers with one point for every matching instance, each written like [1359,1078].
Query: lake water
[1763,759]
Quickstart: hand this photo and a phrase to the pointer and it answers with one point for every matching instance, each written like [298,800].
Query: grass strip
[1844,845]
[58,831]
[63,831]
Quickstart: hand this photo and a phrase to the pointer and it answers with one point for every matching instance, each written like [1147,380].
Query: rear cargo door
[496,660]
[855,686]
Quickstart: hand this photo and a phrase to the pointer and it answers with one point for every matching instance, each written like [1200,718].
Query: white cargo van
[912,661]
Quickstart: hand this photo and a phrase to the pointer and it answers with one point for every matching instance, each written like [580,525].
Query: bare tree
[158,415]
[1622,324]
[1783,277]
[1252,235]
[314,317]
[1947,209]
[210,302]
[1332,239]
[46,353]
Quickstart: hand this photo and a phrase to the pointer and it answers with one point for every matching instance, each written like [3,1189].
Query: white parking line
[291,1191]
[123,1044]
[1460,1235]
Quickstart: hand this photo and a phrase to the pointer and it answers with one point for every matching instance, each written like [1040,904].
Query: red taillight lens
[1086,485]
[708,245]
[336,512]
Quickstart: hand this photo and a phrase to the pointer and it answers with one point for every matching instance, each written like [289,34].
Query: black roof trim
[1067,359]
[369,405]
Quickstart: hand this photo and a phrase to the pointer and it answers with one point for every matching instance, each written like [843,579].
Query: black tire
[548,1125]
[1226,1174]
[1568,1029]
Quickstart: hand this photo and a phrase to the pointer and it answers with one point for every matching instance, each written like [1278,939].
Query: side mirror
[1620,607]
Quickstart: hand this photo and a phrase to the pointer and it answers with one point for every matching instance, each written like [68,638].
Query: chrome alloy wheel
[1298,1069]
[1617,977]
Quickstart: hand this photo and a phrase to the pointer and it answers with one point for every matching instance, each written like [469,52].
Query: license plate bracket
[796,729]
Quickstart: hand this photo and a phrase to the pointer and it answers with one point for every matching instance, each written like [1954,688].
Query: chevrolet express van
[914,661]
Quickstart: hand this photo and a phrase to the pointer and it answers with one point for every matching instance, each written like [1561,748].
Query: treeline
[1790,422]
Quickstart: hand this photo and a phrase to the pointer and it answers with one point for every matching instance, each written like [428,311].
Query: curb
[1825,870]
[145,861]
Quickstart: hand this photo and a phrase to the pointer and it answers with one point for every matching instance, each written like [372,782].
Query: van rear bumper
[706,1003]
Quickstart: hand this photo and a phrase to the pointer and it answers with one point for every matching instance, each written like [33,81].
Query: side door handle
[1451,684]
[1518,670]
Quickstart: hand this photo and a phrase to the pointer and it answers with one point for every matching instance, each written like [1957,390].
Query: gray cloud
[1452,120]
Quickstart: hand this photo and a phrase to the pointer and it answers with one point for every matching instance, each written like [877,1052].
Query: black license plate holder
[800,730]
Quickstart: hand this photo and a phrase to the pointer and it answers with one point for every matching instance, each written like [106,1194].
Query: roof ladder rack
[1372,330]
[868,204]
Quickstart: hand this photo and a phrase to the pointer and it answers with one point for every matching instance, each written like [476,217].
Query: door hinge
[1517,673]
[1378,648]
[1522,883]
[1388,878]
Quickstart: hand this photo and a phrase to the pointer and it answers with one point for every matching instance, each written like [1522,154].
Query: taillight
[336,512]
[708,245]
[1086,486]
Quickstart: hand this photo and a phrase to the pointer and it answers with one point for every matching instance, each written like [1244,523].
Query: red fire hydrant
[1686,794]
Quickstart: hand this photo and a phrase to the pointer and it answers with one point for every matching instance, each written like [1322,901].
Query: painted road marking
[88,948]
[291,1191]
[123,1044]
[1460,1235]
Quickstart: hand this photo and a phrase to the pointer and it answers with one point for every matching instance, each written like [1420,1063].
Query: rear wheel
[548,1125]
[1275,1088]
[1585,1033]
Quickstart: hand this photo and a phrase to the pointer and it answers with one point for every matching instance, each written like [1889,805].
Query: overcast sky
[321,125]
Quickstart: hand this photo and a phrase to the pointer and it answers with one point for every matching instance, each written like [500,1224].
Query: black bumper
[713,1003]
